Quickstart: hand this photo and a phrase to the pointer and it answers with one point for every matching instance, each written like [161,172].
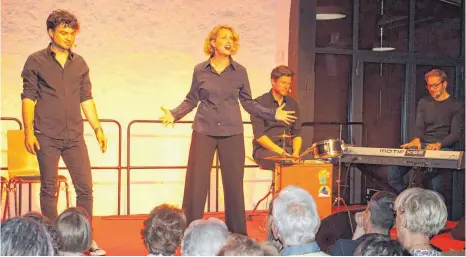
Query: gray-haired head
[380,245]
[204,237]
[54,234]
[421,211]
[268,226]
[24,237]
[75,229]
[295,216]
[381,207]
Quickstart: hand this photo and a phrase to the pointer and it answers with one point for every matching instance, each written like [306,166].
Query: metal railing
[216,166]
[13,119]
[118,167]
[158,167]
[129,167]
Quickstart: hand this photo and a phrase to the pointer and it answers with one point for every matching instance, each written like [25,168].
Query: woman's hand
[285,116]
[167,117]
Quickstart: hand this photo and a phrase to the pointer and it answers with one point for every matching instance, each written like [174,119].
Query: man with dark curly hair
[163,230]
[56,86]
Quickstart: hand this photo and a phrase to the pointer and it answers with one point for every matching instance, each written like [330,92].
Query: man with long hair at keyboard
[439,124]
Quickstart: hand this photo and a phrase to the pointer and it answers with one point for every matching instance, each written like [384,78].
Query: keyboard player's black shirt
[439,121]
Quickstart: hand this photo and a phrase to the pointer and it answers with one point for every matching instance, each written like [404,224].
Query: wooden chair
[23,168]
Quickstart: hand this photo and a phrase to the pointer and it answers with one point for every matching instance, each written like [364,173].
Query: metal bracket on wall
[358,65]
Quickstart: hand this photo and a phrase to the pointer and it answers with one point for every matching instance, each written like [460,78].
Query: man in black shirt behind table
[56,86]
[266,143]
[439,124]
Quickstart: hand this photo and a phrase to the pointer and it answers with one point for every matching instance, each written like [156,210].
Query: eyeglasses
[435,86]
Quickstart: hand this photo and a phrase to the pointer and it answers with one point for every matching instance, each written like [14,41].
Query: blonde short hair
[209,50]
[424,211]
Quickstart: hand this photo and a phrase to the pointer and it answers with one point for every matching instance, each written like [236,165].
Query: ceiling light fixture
[324,13]
[382,45]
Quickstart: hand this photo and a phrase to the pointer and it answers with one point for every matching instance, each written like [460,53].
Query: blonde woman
[420,214]
[218,83]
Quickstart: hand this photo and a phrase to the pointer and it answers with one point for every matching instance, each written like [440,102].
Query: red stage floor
[120,235]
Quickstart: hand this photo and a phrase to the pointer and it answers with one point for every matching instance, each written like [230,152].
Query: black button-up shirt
[271,129]
[218,113]
[58,92]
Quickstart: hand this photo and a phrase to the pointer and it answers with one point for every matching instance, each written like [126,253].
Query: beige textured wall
[141,55]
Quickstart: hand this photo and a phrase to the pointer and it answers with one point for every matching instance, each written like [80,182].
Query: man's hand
[101,139]
[31,142]
[283,152]
[167,118]
[415,143]
[359,217]
[359,231]
[434,146]
[285,116]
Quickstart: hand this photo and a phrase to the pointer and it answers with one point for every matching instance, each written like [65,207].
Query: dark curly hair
[55,235]
[59,16]
[163,230]
[380,245]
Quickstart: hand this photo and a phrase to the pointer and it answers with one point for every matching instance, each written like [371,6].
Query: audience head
[52,231]
[163,230]
[379,212]
[295,217]
[240,245]
[269,248]
[75,229]
[270,237]
[419,211]
[25,237]
[204,237]
[380,245]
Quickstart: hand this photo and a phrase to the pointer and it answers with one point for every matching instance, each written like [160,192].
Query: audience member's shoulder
[454,253]
[315,254]
[343,247]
